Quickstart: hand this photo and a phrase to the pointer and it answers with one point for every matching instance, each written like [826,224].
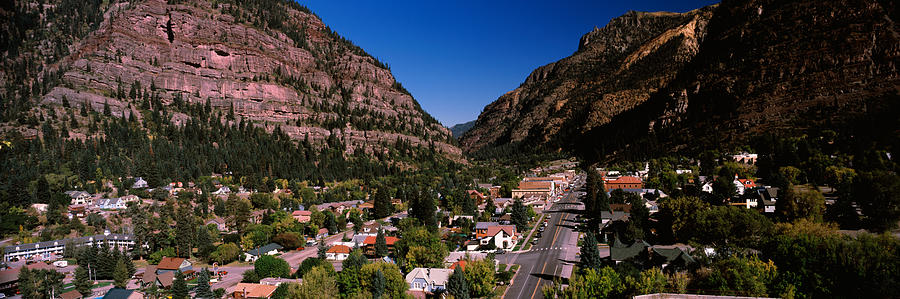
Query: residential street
[552,257]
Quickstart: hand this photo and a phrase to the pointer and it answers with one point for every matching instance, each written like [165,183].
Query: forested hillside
[95,91]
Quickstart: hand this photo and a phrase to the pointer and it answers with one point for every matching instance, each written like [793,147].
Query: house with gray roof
[429,280]
[268,249]
[619,251]
[80,198]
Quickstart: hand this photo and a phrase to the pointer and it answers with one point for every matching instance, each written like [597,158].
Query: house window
[416,285]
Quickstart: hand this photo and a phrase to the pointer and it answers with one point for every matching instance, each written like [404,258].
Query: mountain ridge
[461,128]
[738,75]
[555,95]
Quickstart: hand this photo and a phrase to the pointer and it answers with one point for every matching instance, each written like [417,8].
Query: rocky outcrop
[659,82]
[292,72]
[615,68]
[771,67]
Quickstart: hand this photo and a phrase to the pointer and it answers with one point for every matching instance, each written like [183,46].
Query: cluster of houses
[749,194]
[163,273]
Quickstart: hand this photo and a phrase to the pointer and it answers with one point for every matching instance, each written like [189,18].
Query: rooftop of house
[264,249]
[673,253]
[166,279]
[81,240]
[255,290]
[620,251]
[149,274]
[9,275]
[485,225]
[170,263]
[370,240]
[117,293]
[535,185]
[301,213]
[73,294]
[437,276]
[508,229]
[76,194]
[748,183]
[625,180]
[461,264]
[338,249]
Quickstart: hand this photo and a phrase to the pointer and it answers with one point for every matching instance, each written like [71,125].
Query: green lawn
[70,286]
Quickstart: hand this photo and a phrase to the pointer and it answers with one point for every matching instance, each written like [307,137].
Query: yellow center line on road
[555,235]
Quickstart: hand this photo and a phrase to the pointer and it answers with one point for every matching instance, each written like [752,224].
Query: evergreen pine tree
[120,275]
[106,110]
[322,249]
[205,245]
[457,285]
[129,264]
[139,223]
[179,287]
[381,248]
[82,282]
[184,229]
[590,255]
[382,204]
[106,264]
[203,289]
[519,215]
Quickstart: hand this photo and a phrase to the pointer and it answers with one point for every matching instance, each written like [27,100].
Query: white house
[268,249]
[502,236]
[338,253]
[80,198]
[111,204]
[746,158]
[139,183]
[428,279]
[223,190]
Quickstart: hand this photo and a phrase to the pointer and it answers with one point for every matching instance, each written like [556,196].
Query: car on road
[534,241]
[500,251]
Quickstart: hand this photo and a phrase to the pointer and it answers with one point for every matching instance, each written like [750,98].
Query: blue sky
[455,57]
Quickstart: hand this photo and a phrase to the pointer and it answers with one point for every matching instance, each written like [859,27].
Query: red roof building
[625,182]
[369,244]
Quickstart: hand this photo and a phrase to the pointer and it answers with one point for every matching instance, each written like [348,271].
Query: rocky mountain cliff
[756,67]
[614,69]
[271,63]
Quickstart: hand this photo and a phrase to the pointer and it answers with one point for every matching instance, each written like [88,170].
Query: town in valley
[245,149]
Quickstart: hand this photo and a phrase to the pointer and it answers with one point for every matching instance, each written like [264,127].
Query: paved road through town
[552,257]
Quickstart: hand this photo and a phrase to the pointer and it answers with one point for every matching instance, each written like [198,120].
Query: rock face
[751,67]
[615,68]
[287,70]
[781,67]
